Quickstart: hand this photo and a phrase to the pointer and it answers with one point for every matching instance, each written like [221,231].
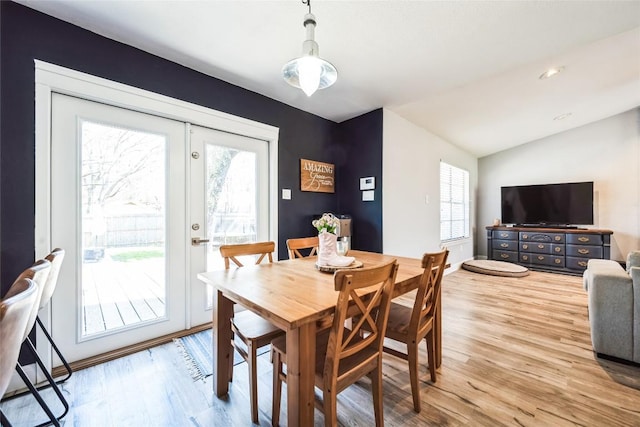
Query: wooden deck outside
[117,294]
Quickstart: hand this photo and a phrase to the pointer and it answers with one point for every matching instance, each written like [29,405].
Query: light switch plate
[368,183]
[286,194]
[368,196]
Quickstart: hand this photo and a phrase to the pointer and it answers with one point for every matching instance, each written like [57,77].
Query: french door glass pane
[123,227]
[231,201]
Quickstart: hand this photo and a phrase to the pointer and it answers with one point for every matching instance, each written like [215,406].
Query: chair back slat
[15,309]
[370,308]
[295,245]
[230,252]
[428,292]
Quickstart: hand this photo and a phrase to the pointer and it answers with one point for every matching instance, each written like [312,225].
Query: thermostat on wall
[368,183]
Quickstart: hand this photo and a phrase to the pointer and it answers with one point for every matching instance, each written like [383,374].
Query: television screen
[549,204]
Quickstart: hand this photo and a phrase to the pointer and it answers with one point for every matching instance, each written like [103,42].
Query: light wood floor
[516,352]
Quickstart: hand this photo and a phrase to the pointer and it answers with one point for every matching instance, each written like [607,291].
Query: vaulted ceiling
[467,71]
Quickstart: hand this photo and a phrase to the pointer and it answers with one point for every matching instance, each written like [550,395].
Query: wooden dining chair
[343,355]
[295,245]
[410,325]
[15,309]
[250,329]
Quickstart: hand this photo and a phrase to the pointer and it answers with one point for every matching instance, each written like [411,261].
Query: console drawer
[542,248]
[581,251]
[577,263]
[584,239]
[525,236]
[505,245]
[509,256]
[505,235]
[530,258]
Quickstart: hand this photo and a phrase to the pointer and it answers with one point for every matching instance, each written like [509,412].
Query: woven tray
[333,269]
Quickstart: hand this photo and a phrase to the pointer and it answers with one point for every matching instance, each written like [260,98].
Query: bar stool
[15,309]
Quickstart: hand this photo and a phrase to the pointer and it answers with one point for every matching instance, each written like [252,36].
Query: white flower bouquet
[328,222]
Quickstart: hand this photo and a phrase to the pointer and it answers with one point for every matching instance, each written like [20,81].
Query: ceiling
[467,71]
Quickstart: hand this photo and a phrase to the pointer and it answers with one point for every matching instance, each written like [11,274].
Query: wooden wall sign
[316,176]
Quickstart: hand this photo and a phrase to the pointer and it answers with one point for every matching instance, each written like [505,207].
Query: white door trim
[53,78]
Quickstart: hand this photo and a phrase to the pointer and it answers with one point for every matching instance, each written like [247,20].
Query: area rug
[495,268]
[196,351]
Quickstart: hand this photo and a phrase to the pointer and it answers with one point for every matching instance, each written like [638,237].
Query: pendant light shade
[309,72]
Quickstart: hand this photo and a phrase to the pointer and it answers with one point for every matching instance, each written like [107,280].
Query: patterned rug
[196,351]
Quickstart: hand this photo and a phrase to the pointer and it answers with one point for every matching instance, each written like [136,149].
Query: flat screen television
[559,205]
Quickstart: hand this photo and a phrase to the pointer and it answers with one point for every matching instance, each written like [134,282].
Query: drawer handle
[541,258]
[583,251]
[504,245]
[558,261]
[525,257]
[525,236]
[504,235]
[558,249]
[558,238]
[504,256]
[540,246]
[582,263]
[583,239]
[525,246]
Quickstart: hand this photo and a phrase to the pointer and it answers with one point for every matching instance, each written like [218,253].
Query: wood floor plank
[516,352]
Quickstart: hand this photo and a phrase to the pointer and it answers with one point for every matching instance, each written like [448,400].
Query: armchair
[614,306]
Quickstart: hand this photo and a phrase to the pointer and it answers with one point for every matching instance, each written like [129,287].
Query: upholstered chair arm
[634,272]
[633,260]
[611,312]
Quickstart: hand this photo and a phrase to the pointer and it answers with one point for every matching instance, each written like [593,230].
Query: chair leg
[232,356]
[64,363]
[57,350]
[4,422]
[233,351]
[51,381]
[253,379]
[431,352]
[330,406]
[376,391]
[36,394]
[412,358]
[277,387]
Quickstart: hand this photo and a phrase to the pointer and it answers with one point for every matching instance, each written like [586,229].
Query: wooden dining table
[297,298]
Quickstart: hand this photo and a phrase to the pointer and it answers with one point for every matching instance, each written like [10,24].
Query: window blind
[454,203]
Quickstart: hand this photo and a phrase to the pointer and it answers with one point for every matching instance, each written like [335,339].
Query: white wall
[606,152]
[411,173]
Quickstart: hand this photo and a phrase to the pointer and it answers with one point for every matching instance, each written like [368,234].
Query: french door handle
[195,241]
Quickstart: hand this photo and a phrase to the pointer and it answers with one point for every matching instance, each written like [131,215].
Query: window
[454,203]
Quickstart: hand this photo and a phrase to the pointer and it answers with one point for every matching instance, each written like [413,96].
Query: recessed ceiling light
[550,73]
[562,116]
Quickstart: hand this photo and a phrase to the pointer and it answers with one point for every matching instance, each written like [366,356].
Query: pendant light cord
[308,3]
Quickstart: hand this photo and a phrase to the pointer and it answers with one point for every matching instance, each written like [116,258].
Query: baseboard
[16,385]
[125,351]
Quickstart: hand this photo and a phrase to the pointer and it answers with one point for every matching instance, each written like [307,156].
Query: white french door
[229,200]
[121,190]
[118,198]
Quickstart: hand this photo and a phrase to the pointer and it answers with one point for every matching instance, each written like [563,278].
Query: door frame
[51,78]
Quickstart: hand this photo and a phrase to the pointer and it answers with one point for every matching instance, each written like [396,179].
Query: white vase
[326,248]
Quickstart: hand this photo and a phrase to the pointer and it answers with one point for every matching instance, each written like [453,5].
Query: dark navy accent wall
[26,35]
[362,139]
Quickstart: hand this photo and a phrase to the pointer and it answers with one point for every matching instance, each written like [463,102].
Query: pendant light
[309,72]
